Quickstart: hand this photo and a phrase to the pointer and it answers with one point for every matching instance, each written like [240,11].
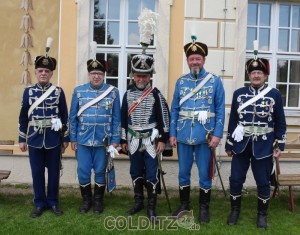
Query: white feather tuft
[49,42]
[48,45]
[148,25]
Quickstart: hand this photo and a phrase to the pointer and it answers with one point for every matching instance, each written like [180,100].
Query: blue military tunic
[263,121]
[36,129]
[184,123]
[99,120]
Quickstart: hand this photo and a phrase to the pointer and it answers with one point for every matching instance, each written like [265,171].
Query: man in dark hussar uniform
[257,120]
[197,109]
[145,131]
[43,127]
[94,129]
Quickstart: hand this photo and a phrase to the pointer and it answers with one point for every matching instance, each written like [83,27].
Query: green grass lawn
[16,205]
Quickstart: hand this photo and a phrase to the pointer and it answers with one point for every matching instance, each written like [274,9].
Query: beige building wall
[10,69]
[50,18]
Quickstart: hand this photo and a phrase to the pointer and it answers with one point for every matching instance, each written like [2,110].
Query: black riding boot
[204,199]
[86,193]
[138,196]
[262,208]
[152,196]
[98,198]
[184,193]
[235,201]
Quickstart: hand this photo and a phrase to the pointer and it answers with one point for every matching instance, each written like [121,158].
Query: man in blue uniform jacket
[94,130]
[256,120]
[197,109]
[43,127]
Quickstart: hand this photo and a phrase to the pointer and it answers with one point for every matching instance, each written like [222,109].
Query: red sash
[139,100]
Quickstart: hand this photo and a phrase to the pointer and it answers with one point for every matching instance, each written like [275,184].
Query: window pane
[113,33]
[100,56]
[282,70]
[282,89]
[99,32]
[265,14]
[251,36]
[150,4]
[295,47]
[293,100]
[284,16]
[113,82]
[283,40]
[99,9]
[296,16]
[264,39]
[133,34]
[134,8]
[114,9]
[113,65]
[295,71]
[252,14]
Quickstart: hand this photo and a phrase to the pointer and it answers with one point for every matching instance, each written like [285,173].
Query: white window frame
[272,54]
[85,36]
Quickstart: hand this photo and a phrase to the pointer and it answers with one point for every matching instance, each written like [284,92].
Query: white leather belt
[257,130]
[192,114]
[41,123]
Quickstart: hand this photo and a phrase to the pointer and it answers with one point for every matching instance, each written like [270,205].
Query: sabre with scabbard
[162,173]
[62,150]
[276,169]
[213,162]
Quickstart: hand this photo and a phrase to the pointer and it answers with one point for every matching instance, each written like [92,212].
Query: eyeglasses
[96,73]
[257,72]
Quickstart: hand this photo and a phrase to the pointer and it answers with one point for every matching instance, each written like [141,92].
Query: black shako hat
[258,64]
[94,64]
[142,64]
[194,47]
[45,61]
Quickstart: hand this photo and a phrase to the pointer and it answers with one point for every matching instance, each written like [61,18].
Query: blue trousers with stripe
[186,155]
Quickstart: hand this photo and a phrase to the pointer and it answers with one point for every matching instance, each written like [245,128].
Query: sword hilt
[208,136]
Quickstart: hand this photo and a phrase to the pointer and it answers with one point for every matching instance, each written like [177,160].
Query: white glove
[202,117]
[154,134]
[238,133]
[112,151]
[56,124]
